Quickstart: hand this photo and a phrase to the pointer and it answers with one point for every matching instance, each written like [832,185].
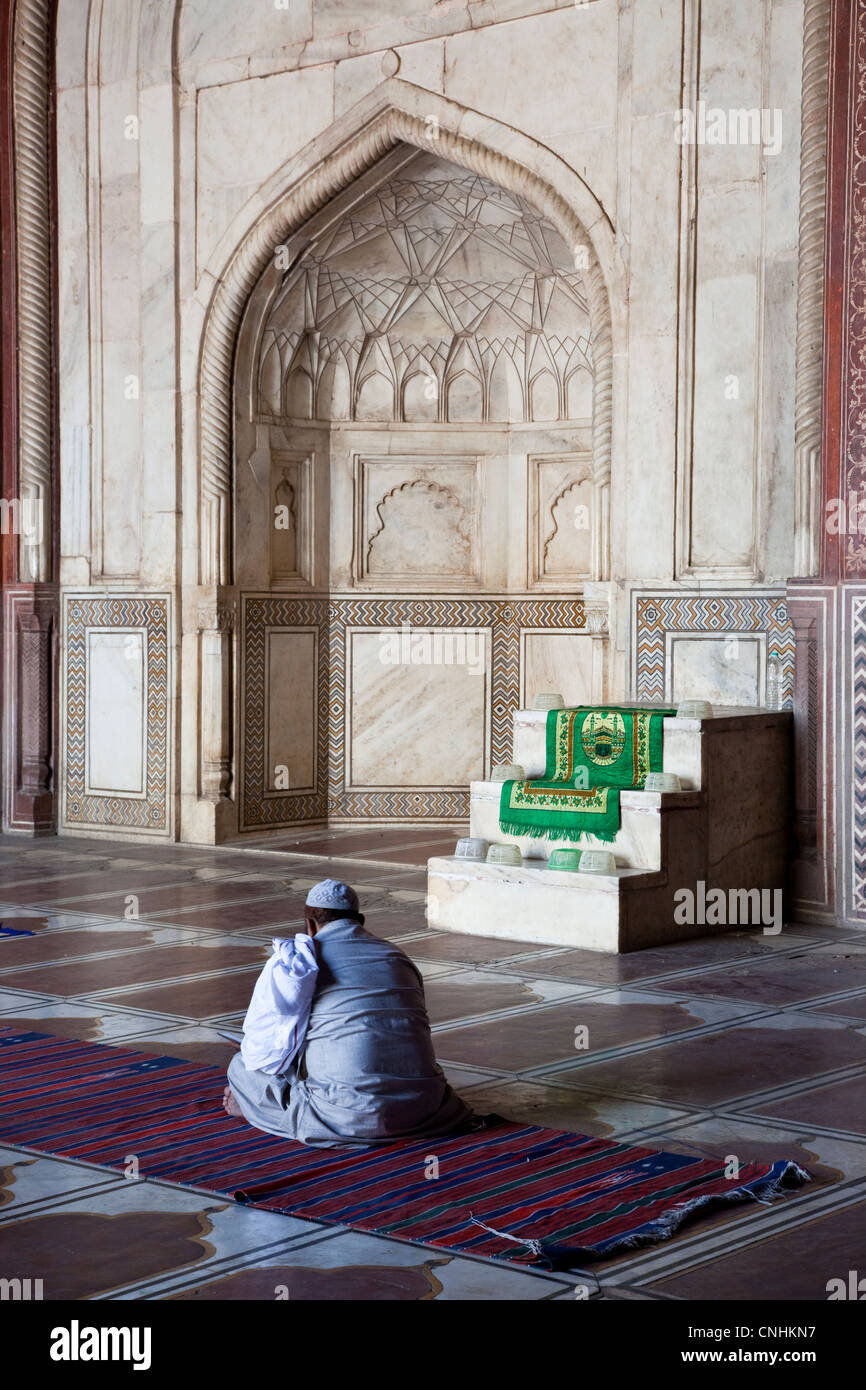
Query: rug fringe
[783,1174]
[565,832]
[765,1191]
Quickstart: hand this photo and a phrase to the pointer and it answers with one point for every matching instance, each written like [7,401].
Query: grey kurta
[367,1073]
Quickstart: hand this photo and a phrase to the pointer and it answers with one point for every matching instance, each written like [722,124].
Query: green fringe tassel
[565,832]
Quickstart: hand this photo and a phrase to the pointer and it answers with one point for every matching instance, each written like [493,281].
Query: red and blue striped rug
[511,1192]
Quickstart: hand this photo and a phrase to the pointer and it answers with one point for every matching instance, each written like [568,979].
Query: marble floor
[747,1046]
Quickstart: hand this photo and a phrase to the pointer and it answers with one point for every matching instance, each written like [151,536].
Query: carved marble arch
[385,375]
[439,296]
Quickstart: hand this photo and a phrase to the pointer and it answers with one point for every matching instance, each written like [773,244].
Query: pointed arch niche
[422,372]
[426,312]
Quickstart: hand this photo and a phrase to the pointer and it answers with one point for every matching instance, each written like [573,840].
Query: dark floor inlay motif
[303,1284]
[79,1027]
[88,1252]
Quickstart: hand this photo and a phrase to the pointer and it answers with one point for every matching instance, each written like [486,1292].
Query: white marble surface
[560,662]
[417,722]
[729,835]
[284,111]
[723,668]
[292,684]
[232,109]
[116,716]
[524,904]
[637,843]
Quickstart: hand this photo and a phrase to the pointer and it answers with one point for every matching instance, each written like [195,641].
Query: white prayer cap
[333,894]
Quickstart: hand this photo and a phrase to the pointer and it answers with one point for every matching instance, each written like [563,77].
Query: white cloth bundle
[276,1020]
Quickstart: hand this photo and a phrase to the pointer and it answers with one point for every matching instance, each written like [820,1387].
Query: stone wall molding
[32,106]
[808,384]
[812,609]
[29,544]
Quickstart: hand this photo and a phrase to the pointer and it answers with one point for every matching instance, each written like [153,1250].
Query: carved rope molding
[382,134]
[853,459]
[810,287]
[31,107]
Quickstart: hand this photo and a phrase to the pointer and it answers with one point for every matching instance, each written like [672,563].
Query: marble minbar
[705,859]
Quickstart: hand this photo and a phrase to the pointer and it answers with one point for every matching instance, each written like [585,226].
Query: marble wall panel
[646,474]
[726,670]
[214,31]
[262,803]
[418,707]
[73,375]
[396,699]
[116,739]
[282,467]
[418,522]
[778,325]
[291,530]
[735,521]
[563,520]
[722,516]
[116,271]
[292,681]
[557,661]
[814,615]
[519,73]
[748,628]
[105,692]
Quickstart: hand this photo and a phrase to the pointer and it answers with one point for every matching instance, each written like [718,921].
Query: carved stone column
[598,625]
[33,198]
[810,288]
[28,554]
[216,625]
[30,627]
[805,730]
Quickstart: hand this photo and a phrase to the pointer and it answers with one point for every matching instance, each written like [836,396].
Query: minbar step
[629,910]
[647,818]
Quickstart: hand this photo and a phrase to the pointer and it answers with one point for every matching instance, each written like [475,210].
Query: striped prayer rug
[512,1192]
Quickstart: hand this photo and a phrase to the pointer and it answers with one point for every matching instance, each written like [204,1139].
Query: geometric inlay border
[852,447]
[858,755]
[258,615]
[657,614]
[504,618]
[81,808]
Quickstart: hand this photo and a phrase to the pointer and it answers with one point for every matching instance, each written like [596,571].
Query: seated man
[366,1073]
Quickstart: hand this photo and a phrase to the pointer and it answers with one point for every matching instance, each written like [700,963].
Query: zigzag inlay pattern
[658,614]
[334,618]
[112,612]
[259,806]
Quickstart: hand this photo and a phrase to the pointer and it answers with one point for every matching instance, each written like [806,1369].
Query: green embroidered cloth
[592,755]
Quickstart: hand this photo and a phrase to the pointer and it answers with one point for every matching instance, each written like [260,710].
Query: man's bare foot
[230,1105]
